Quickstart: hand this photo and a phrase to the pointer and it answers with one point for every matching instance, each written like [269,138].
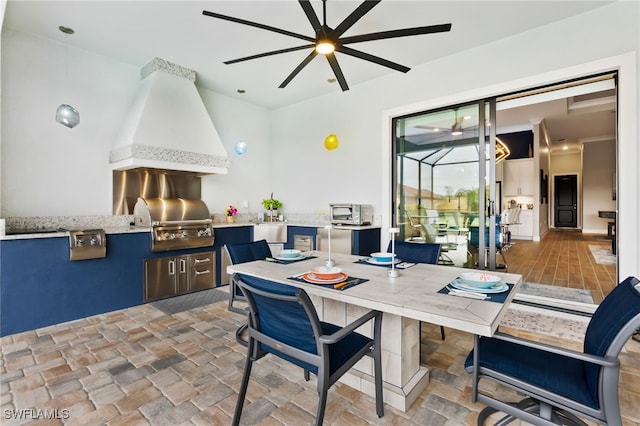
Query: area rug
[569,328]
[603,255]
[186,302]
[550,310]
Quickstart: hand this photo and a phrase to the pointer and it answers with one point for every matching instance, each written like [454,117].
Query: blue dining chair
[474,242]
[418,253]
[242,253]
[283,322]
[560,385]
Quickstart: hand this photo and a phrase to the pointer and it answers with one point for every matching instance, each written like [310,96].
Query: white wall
[598,164]
[50,170]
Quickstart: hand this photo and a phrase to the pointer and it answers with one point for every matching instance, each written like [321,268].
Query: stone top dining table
[415,295]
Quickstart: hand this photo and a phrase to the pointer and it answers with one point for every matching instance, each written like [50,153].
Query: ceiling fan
[328,40]
[456,129]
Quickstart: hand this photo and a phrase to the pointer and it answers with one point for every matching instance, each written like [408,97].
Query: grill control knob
[184,234]
[166,235]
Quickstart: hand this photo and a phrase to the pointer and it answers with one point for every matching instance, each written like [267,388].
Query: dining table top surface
[413,294]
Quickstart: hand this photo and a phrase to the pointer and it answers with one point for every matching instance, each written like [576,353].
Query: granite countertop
[121,225]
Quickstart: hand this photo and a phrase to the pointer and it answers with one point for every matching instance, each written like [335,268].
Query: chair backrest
[429,232]
[514,215]
[416,252]
[411,220]
[474,236]
[286,315]
[614,321]
[247,252]
[432,216]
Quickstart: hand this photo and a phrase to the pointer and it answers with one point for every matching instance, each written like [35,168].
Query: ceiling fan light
[324,47]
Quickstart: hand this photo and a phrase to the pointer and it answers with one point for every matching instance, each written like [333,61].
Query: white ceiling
[134,32]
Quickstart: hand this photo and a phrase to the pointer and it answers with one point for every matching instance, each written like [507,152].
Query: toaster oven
[351,214]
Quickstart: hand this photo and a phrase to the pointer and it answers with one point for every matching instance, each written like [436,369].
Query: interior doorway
[565,201]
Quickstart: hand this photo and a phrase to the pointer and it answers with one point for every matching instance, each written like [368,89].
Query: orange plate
[311,278]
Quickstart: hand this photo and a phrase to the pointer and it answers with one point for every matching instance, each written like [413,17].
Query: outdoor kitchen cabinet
[174,275]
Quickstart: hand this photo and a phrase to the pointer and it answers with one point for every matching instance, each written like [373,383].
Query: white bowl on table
[382,256]
[327,273]
[480,279]
[290,253]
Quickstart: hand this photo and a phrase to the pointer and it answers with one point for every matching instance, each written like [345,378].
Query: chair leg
[243,386]
[442,332]
[377,371]
[322,402]
[306,375]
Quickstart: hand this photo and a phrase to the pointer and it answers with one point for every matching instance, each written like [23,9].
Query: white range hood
[168,126]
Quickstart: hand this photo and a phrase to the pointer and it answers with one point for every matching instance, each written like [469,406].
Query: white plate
[479,279]
[496,288]
[290,259]
[372,261]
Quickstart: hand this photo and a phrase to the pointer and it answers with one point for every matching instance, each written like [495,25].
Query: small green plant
[271,204]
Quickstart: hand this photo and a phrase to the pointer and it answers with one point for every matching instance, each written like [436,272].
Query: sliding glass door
[444,182]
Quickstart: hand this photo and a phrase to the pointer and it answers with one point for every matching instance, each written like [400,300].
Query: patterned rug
[550,310]
[603,255]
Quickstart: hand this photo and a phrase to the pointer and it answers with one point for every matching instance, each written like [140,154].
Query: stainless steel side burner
[87,244]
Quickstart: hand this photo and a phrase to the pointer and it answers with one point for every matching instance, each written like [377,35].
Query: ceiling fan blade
[360,11]
[337,71]
[371,58]
[431,29]
[311,14]
[274,52]
[295,72]
[258,25]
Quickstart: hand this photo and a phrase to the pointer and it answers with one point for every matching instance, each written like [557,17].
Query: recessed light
[241,91]
[564,148]
[467,117]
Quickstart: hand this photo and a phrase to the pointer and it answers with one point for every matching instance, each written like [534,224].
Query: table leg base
[401,398]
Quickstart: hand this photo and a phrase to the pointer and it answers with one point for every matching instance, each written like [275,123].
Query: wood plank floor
[563,258]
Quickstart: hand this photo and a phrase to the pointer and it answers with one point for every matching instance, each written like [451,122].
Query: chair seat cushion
[556,373]
[339,353]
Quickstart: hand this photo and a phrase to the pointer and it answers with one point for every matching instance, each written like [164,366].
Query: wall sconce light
[331,142]
[240,147]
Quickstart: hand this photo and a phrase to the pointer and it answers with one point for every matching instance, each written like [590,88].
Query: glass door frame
[486,109]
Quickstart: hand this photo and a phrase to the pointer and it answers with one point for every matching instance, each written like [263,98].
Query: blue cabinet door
[40,286]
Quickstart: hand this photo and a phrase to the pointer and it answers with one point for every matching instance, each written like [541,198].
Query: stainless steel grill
[176,223]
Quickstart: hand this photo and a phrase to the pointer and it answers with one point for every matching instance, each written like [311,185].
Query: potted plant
[231,212]
[271,205]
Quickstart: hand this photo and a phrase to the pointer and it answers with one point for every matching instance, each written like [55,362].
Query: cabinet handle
[183,266]
[206,271]
[206,259]
[172,267]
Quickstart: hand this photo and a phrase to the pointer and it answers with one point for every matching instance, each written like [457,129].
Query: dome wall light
[331,142]
[324,47]
[66,114]
[240,147]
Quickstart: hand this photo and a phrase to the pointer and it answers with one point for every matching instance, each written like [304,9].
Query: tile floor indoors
[139,366]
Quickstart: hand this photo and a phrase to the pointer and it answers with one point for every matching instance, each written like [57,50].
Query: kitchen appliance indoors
[350,214]
[176,223]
